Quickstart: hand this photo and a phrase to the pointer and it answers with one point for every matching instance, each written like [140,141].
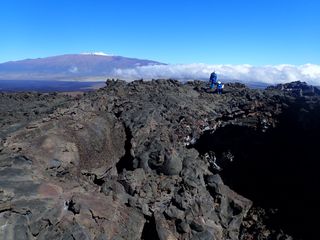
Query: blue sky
[257,32]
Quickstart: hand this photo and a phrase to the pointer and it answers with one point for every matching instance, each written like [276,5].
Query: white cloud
[270,74]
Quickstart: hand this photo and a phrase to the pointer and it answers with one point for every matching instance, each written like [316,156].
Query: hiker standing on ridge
[213,79]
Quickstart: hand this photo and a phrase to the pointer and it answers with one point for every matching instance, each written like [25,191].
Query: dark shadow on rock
[277,169]
[126,162]
[149,230]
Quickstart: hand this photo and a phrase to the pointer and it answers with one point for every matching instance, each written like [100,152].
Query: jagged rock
[172,163]
[54,163]
[204,235]
[145,160]
[162,227]
[297,89]
[174,212]
[132,180]
[197,226]
[183,227]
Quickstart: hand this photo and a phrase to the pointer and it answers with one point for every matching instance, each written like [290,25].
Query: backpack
[213,77]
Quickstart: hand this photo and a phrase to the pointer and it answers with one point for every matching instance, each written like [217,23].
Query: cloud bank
[270,74]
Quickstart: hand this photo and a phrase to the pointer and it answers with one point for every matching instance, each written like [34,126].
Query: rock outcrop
[140,160]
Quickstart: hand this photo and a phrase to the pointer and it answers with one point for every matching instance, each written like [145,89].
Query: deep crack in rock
[149,229]
[126,161]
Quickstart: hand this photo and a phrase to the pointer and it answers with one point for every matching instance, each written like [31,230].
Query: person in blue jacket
[213,80]
[219,87]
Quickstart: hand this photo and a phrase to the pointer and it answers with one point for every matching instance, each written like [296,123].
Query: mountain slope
[70,66]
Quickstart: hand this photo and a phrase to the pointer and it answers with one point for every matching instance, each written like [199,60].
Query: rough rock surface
[128,162]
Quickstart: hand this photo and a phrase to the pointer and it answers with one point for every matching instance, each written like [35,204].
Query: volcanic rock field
[161,160]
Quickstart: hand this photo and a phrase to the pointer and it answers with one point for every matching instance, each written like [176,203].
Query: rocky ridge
[131,161]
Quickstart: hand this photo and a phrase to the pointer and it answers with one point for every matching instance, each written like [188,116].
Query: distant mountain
[69,67]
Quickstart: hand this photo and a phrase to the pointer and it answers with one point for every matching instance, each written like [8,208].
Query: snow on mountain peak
[97,53]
